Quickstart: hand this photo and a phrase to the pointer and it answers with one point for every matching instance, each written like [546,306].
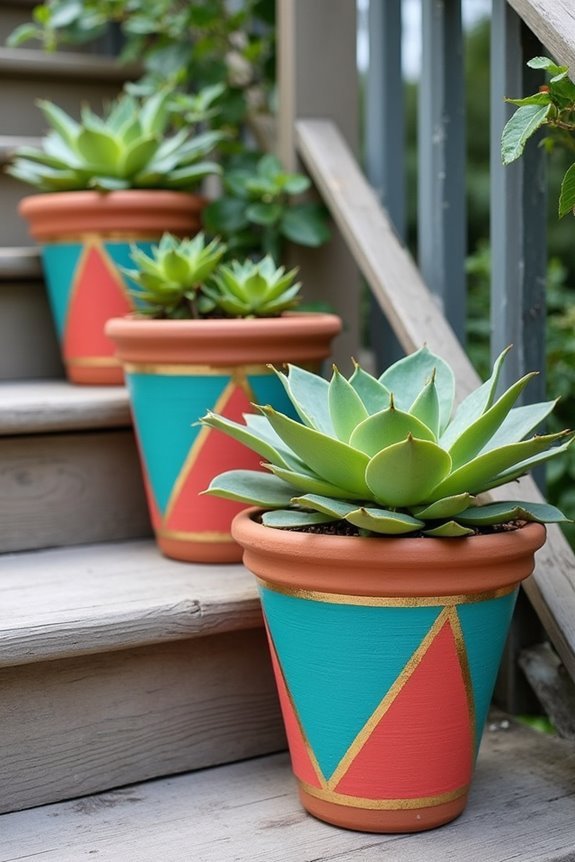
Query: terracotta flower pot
[385,652]
[84,237]
[176,370]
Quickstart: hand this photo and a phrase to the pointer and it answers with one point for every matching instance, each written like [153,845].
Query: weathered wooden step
[521,808]
[69,468]
[117,665]
[20,263]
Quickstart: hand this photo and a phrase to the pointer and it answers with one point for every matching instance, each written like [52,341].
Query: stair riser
[28,344]
[84,725]
[14,228]
[70,489]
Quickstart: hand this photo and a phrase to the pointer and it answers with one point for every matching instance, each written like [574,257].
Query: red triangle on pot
[97,296]
[423,744]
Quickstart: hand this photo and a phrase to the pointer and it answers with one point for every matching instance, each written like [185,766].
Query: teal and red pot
[385,652]
[85,237]
[177,370]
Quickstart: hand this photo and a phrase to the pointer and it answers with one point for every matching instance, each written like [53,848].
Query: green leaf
[516,510]
[296,184]
[225,216]
[331,459]
[99,149]
[250,438]
[155,112]
[264,214]
[384,521]
[293,518]
[520,422]
[345,406]
[547,64]
[522,125]
[305,224]
[310,484]
[519,469]
[136,157]
[185,178]
[386,428]
[449,530]
[374,394]
[249,486]
[448,507]
[336,508]
[567,195]
[406,473]
[407,377]
[23,33]
[535,99]
[426,407]
[60,121]
[309,395]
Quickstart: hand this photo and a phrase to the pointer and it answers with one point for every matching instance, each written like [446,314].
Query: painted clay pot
[385,652]
[177,370]
[84,237]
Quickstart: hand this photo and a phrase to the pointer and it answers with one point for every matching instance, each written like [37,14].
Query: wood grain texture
[521,808]
[416,320]
[70,489]
[554,688]
[37,407]
[85,725]
[553,22]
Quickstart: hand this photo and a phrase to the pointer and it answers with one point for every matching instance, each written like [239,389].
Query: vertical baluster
[441,220]
[385,144]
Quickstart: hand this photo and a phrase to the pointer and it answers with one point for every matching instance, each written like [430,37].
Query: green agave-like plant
[127,148]
[254,289]
[387,455]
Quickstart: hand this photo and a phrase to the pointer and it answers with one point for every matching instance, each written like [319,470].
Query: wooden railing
[318,123]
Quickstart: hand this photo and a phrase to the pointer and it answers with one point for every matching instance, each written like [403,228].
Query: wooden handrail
[416,319]
[553,22]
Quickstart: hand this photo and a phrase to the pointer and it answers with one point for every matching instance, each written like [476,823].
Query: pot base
[95,375]
[200,552]
[378,820]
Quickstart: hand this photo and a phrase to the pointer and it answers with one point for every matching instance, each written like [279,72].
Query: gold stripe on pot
[184,536]
[93,361]
[175,369]
[383,804]
[96,236]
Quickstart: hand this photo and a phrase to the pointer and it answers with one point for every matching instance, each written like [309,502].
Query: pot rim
[386,566]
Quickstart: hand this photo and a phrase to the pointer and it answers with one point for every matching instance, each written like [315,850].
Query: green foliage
[184,279]
[125,149]
[259,210]
[552,106]
[388,455]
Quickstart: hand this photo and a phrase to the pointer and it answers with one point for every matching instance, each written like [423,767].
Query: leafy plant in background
[127,148]
[387,455]
[259,210]
[552,106]
[184,279]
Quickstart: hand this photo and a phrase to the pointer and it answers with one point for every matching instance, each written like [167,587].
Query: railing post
[385,145]
[441,211]
[317,77]
[518,254]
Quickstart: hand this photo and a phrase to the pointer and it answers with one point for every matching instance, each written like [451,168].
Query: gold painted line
[174,369]
[208,536]
[465,671]
[240,378]
[195,451]
[384,804]
[387,701]
[386,601]
[94,361]
[309,750]
[95,236]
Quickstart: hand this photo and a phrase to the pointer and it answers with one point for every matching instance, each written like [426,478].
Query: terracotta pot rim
[387,566]
[123,198]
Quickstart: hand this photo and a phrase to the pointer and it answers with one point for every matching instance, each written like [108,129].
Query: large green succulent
[125,149]
[387,455]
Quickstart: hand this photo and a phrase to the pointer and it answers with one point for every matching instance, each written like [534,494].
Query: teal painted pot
[85,239]
[385,653]
[176,371]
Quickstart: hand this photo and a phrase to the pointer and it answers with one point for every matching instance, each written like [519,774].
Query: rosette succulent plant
[387,455]
[183,279]
[125,149]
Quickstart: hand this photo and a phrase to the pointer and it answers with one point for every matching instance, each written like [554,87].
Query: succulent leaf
[405,474]
[311,484]
[448,507]
[426,407]
[384,521]
[503,513]
[346,408]
[294,518]
[254,289]
[373,393]
[336,508]
[407,377]
[309,394]
[249,438]
[383,429]
[250,486]
[449,530]
[520,422]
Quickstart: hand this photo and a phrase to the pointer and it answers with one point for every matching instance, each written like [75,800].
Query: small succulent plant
[251,289]
[125,149]
[387,455]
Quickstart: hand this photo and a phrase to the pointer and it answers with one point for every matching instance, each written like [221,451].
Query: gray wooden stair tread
[32,63]
[20,263]
[40,406]
[521,807]
[91,599]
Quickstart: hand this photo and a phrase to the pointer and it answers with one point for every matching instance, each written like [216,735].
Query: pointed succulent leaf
[60,121]
[345,406]
[405,474]
[311,484]
[476,435]
[327,505]
[474,405]
[294,518]
[426,407]
[407,377]
[309,395]
[155,113]
[520,422]
[331,459]
[249,486]
[136,157]
[517,510]
[374,394]
[448,507]
[99,149]
[245,435]
[520,469]
[449,530]
[476,475]
[383,429]
[384,521]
